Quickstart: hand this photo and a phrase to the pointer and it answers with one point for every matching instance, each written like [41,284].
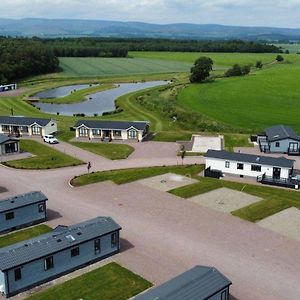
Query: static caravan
[112,130]
[48,256]
[22,210]
[8,87]
[8,145]
[22,126]
[249,165]
[279,139]
[199,283]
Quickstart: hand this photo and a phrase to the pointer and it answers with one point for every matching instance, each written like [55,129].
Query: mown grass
[274,199]
[122,176]
[79,96]
[110,282]
[97,66]
[23,235]
[45,157]
[110,151]
[236,140]
[253,102]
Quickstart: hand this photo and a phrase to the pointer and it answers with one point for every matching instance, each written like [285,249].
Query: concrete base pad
[286,222]
[225,200]
[167,182]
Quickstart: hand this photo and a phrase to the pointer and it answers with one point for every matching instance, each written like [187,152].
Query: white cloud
[235,12]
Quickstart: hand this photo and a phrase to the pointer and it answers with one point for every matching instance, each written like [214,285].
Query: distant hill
[79,28]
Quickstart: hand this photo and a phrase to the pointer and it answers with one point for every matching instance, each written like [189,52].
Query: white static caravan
[241,164]
[8,87]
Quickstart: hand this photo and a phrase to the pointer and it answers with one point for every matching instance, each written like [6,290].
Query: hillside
[76,28]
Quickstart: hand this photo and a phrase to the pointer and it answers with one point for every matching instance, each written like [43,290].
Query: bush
[259,64]
[279,58]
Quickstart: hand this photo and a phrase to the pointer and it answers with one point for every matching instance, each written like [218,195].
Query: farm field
[293,48]
[94,66]
[220,59]
[272,95]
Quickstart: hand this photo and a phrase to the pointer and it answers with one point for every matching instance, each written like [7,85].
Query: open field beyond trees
[110,282]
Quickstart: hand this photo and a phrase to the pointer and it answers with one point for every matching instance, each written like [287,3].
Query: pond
[61,92]
[97,103]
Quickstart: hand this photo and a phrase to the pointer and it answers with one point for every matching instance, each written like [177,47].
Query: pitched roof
[59,239]
[115,125]
[250,158]
[21,200]
[13,120]
[5,138]
[280,132]
[198,283]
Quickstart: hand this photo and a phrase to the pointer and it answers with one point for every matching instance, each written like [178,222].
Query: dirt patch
[167,182]
[286,222]
[225,200]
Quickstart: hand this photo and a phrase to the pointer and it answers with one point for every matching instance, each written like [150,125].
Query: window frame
[240,166]
[48,266]
[18,274]
[9,215]
[41,207]
[113,239]
[277,144]
[97,246]
[256,168]
[75,252]
[227,164]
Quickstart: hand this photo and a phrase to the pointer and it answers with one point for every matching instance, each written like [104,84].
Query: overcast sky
[278,13]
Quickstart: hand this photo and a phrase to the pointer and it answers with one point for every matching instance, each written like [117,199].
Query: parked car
[50,139]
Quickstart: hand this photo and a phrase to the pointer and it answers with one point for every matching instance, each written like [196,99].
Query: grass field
[274,199]
[253,102]
[128,175]
[220,59]
[94,66]
[293,48]
[110,151]
[110,282]
[23,235]
[45,157]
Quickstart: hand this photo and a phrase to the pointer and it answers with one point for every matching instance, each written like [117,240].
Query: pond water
[97,103]
[61,92]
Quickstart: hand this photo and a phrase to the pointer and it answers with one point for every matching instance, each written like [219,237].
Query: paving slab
[286,222]
[167,182]
[225,200]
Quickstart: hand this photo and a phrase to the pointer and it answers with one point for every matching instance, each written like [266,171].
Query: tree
[236,70]
[201,69]
[279,58]
[259,64]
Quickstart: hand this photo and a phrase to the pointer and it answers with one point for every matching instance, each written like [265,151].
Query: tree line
[24,57]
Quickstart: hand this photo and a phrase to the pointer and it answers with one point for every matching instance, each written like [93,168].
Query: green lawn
[251,103]
[110,282]
[110,151]
[23,235]
[45,157]
[236,140]
[128,175]
[97,66]
[274,199]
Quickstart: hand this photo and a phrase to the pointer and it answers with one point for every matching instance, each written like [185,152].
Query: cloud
[234,12]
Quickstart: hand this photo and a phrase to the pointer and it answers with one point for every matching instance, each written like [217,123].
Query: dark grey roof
[5,138]
[10,120]
[250,158]
[115,125]
[21,200]
[57,240]
[281,132]
[198,283]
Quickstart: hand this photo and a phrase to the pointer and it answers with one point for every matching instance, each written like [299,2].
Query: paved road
[164,235]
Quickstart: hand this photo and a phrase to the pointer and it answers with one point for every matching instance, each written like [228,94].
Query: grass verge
[110,151]
[111,282]
[128,175]
[23,235]
[45,157]
[274,199]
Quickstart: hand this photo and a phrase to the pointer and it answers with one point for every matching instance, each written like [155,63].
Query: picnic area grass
[274,199]
[22,235]
[122,176]
[110,282]
[108,150]
[45,157]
